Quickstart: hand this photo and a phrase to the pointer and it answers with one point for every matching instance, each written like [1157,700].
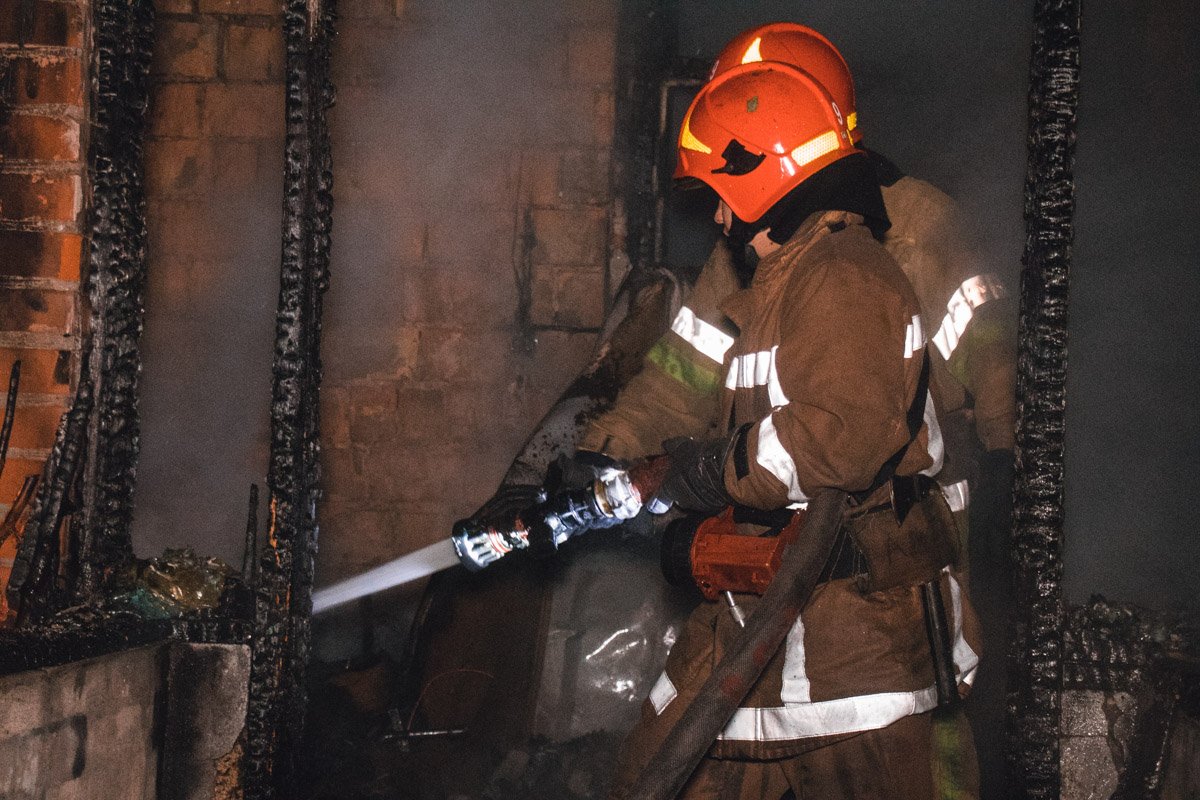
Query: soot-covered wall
[470,253]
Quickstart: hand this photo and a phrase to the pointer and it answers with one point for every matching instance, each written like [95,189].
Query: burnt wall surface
[470,261]
[214,173]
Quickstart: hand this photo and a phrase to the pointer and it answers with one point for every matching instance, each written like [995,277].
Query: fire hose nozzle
[608,501]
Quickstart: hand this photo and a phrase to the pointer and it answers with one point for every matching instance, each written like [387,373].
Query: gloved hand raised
[696,479]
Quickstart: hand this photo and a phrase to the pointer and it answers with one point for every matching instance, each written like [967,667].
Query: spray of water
[426,561]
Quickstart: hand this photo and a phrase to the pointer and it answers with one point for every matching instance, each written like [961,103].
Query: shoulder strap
[915,417]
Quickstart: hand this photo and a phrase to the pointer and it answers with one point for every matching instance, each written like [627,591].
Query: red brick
[42,80]
[175,110]
[244,111]
[591,55]
[184,49]
[37,138]
[29,198]
[252,54]
[30,254]
[570,236]
[33,427]
[177,167]
[266,8]
[36,310]
[42,371]
[50,23]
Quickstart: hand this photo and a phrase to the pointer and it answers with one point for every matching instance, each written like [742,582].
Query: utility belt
[901,534]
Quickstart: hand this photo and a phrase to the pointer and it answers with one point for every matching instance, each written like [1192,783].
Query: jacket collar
[739,306]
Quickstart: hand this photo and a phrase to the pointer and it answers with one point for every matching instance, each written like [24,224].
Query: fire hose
[743,663]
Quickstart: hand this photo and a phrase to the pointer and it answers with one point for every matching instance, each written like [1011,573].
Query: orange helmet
[800,47]
[757,131]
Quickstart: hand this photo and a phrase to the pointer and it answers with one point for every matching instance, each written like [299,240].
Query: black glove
[696,479]
[580,469]
[506,504]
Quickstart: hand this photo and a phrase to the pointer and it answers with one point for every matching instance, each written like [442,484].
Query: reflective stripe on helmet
[816,147]
[753,52]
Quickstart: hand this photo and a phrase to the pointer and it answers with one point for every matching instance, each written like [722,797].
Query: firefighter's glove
[696,479]
[506,505]
[579,469]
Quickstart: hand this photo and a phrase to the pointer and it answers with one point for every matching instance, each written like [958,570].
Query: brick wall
[471,247]
[42,135]
[214,179]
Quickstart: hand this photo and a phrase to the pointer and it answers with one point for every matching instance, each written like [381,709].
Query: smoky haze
[942,92]
[427,126]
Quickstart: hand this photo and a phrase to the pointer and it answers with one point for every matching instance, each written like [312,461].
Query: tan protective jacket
[825,370]
[966,312]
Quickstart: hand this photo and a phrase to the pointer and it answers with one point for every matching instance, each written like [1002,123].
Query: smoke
[437,111]
[942,91]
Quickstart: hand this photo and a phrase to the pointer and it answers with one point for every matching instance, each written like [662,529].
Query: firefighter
[966,309]
[971,317]
[824,385]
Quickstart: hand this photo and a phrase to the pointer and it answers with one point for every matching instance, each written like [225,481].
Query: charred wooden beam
[32,585]
[116,279]
[1035,697]
[284,581]
[96,447]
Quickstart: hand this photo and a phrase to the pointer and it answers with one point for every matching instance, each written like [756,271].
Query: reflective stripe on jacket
[825,369]
[967,312]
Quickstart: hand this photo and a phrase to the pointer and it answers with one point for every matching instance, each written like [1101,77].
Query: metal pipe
[747,657]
